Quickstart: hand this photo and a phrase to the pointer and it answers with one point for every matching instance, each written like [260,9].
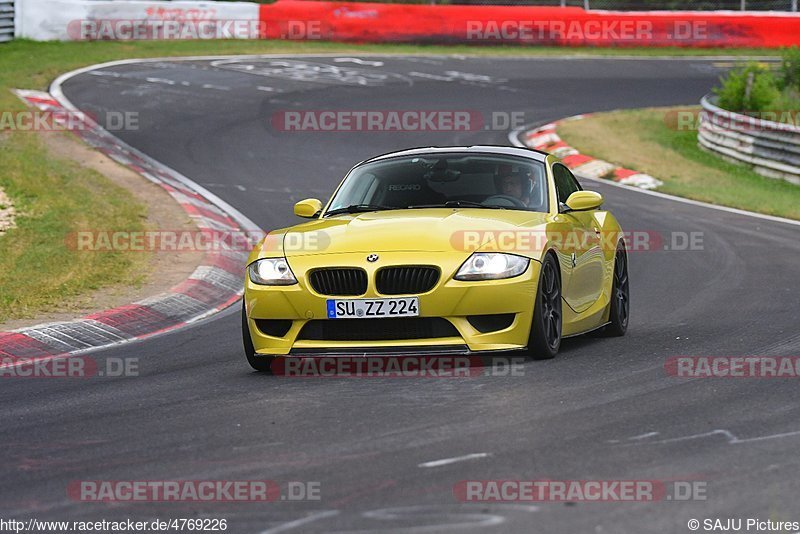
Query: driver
[517,185]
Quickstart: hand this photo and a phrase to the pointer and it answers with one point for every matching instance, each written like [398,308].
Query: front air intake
[406,280]
[339,281]
[377,329]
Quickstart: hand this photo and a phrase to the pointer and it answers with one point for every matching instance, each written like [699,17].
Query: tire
[619,315]
[545,336]
[259,363]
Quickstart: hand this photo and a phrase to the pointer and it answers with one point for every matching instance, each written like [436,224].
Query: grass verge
[642,140]
[54,196]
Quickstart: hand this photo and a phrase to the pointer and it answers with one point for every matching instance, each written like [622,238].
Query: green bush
[790,69]
[751,88]
[754,88]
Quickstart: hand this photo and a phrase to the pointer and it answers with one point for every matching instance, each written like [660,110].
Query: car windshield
[444,180]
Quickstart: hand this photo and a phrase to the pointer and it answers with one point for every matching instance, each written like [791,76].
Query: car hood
[414,230]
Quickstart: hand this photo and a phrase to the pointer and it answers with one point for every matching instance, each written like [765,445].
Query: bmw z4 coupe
[445,250]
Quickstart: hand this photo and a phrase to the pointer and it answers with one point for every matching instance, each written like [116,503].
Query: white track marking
[513,137]
[428,76]
[160,80]
[460,517]
[643,436]
[308,71]
[448,461]
[516,507]
[283,527]
[463,519]
[732,438]
[471,77]
[110,73]
[358,61]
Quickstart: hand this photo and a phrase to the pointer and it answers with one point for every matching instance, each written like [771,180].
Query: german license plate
[373,308]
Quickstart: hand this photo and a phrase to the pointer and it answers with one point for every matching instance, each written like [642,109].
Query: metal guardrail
[6,20]
[771,148]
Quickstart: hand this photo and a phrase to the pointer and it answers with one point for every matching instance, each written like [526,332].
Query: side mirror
[584,200]
[308,208]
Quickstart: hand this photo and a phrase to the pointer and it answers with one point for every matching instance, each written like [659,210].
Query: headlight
[492,266]
[271,272]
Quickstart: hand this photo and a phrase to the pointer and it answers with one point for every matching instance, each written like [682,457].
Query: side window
[566,184]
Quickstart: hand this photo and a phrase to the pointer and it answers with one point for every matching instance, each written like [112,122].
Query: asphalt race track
[604,409]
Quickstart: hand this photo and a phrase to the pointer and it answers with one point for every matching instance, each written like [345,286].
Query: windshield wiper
[359,208]
[459,204]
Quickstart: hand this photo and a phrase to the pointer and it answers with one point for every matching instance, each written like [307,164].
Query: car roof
[529,153]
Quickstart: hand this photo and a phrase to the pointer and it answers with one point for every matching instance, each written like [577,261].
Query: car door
[581,245]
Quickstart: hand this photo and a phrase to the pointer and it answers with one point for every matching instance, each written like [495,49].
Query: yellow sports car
[439,251]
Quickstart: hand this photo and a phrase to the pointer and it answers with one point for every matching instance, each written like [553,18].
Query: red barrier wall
[405,23]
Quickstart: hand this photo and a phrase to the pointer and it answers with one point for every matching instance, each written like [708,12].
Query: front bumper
[451,300]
